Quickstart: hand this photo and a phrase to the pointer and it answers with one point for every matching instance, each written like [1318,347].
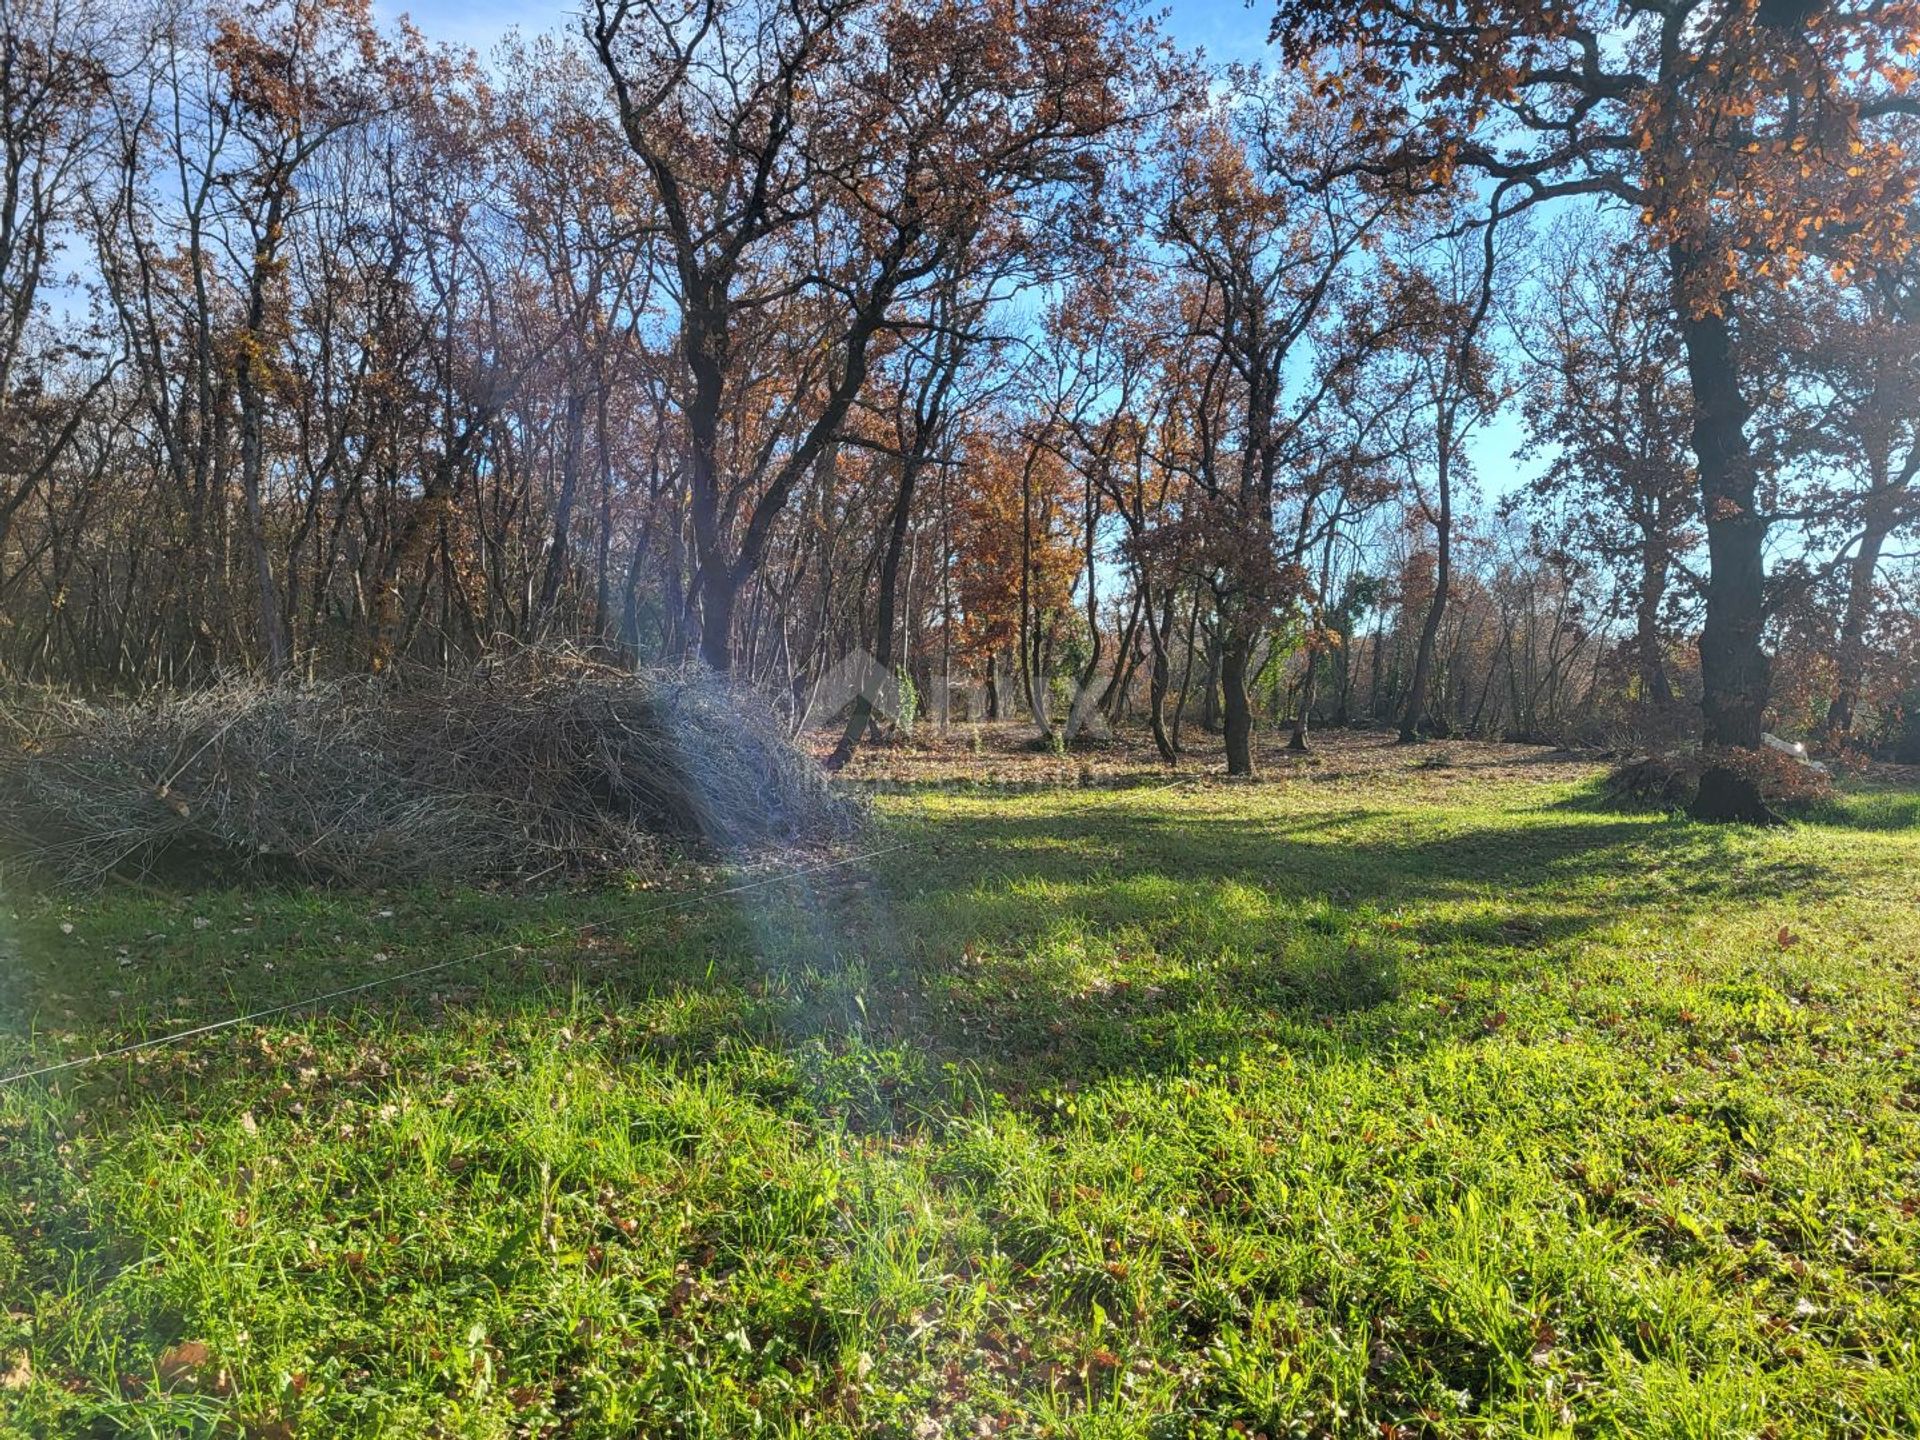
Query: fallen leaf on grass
[17,1375]
[179,1364]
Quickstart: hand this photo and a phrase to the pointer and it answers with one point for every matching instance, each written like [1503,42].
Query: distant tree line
[1002,342]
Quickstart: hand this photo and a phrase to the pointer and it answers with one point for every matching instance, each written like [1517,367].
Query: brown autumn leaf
[178,1365]
[18,1373]
[1786,939]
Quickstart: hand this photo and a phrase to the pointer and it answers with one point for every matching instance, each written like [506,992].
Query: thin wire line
[687,902]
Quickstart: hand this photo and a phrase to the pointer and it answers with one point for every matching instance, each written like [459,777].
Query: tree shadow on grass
[1027,954]
[1164,942]
[1038,948]
[1871,810]
[1259,889]
[1873,807]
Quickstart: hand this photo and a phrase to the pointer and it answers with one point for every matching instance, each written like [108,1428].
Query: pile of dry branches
[541,764]
[1670,781]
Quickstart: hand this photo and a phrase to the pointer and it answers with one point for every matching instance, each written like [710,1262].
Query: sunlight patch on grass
[1427,1100]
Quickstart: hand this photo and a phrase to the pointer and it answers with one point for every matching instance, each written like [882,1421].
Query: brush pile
[1670,781]
[540,765]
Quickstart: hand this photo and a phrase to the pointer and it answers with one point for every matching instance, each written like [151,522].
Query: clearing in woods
[1404,1092]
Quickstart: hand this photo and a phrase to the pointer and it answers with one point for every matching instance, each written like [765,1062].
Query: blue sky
[1226,30]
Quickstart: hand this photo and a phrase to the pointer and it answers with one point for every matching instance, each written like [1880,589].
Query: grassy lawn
[1388,1099]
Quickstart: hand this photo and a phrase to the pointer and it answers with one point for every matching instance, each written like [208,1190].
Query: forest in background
[1061,375]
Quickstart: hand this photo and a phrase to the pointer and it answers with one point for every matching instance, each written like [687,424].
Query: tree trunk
[560,544]
[1126,657]
[1300,720]
[718,596]
[253,442]
[1732,663]
[251,477]
[1236,658]
[1654,684]
[1374,659]
[1415,712]
[862,712]
[1734,671]
[1210,690]
[1307,680]
[1851,658]
[714,586]
[1186,670]
[603,622]
[1160,679]
[1083,682]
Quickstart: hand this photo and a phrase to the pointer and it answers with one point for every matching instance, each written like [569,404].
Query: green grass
[1427,1104]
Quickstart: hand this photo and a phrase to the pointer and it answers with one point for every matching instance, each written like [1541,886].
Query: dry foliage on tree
[1063,376]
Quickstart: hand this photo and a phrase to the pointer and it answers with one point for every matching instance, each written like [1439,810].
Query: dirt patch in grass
[1006,754]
